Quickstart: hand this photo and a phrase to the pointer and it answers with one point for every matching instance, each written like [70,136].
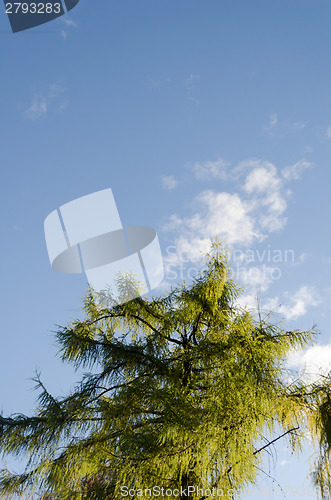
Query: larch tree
[186,392]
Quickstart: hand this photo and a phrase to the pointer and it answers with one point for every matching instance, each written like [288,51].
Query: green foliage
[183,391]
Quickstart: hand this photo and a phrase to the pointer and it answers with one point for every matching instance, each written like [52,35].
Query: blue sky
[206,118]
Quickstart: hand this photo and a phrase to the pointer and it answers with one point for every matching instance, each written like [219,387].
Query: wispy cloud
[169,182]
[272,123]
[191,84]
[299,125]
[66,23]
[283,127]
[158,83]
[296,304]
[52,98]
[210,170]
[290,307]
[38,107]
[295,171]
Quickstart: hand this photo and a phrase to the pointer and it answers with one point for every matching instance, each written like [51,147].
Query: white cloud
[314,361]
[226,215]
[328,132]
[238,219]
[294,171]
[188,249]
[298,302]
[265,187]
[222,214]
[257,278]
[210,170]
[302,299]
[263,178]
[248,300]
[271,219]
[231,217]
[169,182]
[42,102]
